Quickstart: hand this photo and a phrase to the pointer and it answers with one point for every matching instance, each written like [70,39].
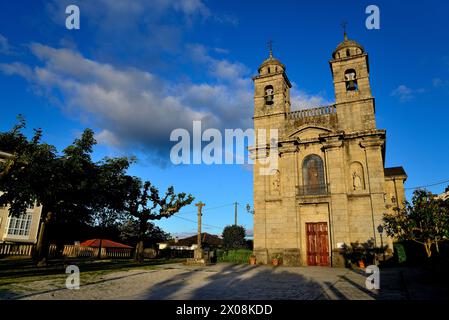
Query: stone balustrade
[314,112]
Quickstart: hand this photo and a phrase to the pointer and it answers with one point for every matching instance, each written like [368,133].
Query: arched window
[269,95]
[313,175]
[348,53]
[351,80]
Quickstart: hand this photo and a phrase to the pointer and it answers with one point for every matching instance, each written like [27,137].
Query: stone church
[330,186]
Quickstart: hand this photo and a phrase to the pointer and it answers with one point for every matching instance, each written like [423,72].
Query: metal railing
[313,190]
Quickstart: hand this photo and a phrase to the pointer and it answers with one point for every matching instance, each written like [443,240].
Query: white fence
[70,251]
[16,249]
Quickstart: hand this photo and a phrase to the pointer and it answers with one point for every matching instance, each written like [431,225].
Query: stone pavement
[228,281]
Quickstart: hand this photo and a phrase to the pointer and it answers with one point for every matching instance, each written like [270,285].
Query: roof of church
[270,61]
[347,43]
[394,172]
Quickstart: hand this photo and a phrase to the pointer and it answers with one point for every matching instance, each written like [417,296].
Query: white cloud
[133,107]
[439,83]
[17,68]
[405,93]
[300,99]
[5,47]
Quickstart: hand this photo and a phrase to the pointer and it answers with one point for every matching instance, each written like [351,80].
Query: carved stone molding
[288,147]
[373,142]
[332,142]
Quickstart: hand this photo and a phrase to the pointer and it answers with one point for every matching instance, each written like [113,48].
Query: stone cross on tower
[344,24]
[270,47]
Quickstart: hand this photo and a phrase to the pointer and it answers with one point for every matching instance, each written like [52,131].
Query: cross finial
[270,47]
[344,24]
[200,204]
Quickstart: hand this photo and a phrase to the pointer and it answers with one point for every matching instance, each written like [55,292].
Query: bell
[351,85]
[269,99]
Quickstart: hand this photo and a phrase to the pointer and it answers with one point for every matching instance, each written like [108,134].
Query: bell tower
[350,72]
[271,93]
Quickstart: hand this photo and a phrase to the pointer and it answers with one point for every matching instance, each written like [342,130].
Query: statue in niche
[356,181]
[276,181]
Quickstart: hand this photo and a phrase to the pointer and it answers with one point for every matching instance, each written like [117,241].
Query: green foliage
[356,251]
[400,253]
[425,221]
[234,256]
[129,233]
[234,237]
[70,187]
[76,191]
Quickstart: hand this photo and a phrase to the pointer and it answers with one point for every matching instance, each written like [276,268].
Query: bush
[234,256]
[399,253]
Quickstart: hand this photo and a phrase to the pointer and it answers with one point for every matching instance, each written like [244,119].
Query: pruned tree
[129,233]
[425,221]
[145,204]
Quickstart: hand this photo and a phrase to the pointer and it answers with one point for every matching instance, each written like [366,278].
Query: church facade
[330,187]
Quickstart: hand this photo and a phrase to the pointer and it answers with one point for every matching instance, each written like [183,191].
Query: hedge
[234,256]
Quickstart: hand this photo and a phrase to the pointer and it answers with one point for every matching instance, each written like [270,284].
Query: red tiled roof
[104,244]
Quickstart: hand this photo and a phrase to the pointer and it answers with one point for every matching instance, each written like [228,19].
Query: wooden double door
[317,244]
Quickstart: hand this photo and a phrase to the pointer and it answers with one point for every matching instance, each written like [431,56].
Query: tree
[425,221]
[70,186]
[144,204]
[129,233]
[233,237]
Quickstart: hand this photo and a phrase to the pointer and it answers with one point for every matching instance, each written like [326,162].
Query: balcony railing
[313,190]
[314,112]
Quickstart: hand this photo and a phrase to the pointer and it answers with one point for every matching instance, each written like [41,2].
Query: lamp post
[380,229]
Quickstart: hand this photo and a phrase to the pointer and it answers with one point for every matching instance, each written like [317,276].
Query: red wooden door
[317,244]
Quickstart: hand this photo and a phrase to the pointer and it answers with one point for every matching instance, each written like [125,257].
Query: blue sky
[136,70]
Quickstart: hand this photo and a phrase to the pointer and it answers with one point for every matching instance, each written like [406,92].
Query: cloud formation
[137,110]
[405,93]
[5,47]
[134,108]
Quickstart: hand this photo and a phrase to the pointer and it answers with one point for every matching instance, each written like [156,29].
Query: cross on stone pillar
[198,252]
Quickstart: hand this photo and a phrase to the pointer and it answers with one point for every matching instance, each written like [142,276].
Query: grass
[14,271]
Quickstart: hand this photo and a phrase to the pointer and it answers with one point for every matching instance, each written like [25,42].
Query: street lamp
[248,208]
[380,229]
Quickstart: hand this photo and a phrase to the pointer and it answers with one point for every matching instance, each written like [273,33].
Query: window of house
[20,226]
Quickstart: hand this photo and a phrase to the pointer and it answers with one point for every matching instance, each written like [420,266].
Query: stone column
[198,254]
[289,211]
[338,215]
[375,181]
